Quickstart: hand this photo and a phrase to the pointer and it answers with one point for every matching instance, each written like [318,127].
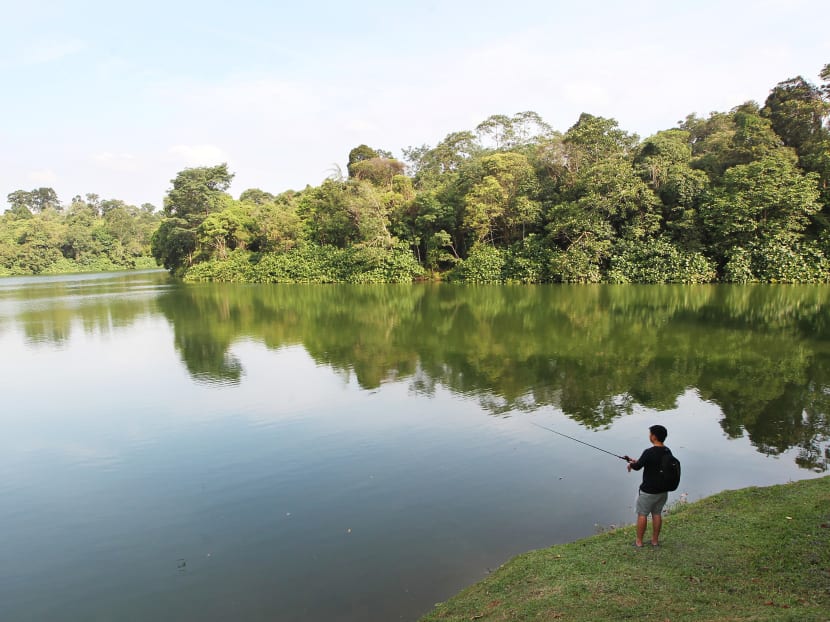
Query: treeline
[38,235]
[738,196]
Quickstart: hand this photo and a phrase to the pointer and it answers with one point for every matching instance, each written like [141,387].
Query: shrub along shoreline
[749,554]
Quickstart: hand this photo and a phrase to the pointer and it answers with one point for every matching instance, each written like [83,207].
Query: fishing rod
[626,458]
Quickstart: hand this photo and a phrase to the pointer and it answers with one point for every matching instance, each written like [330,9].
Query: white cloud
[49,51]
[121,162]
[360,125]
[198,155]
[44,177]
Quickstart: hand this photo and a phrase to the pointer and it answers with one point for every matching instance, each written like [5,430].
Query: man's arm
[636,464]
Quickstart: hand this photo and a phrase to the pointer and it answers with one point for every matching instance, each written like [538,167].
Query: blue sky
[114,99]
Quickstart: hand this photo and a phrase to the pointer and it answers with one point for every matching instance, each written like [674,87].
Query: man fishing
[653,495]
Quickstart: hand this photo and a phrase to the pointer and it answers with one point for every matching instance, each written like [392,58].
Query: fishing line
[626,458]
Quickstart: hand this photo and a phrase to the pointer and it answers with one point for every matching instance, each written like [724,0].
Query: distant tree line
[38,235]
[738,196]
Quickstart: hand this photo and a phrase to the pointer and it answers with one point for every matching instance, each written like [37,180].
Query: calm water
[307,453]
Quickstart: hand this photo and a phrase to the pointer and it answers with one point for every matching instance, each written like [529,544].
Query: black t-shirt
[651,461]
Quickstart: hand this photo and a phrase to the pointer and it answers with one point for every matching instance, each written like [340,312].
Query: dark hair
[659,432]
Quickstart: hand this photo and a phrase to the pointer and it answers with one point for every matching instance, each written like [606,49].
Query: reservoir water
[359,453]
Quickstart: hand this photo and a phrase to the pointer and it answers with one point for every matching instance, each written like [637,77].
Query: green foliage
[501,204]
[311,263]
[483,265]
[797,110]
[82,238]
[256,197]
[770,199]
[326,216]
[36,200]
[527,261]
[777,262]
[360,154]
[738,268]
[594,139]
[746,191]
[197,192]
[574,265]
[440,253]
[173,244]
[659,261]
[446,157]
[276,226]
[378,171]
[513,132]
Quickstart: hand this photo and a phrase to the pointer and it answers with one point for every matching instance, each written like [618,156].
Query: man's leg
[656,524]
[642,520]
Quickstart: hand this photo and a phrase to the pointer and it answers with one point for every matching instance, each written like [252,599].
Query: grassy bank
[751,554]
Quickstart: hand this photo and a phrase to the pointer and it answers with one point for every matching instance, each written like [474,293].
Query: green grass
[751,554]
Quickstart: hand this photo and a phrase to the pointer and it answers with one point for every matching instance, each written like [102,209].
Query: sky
[116,98]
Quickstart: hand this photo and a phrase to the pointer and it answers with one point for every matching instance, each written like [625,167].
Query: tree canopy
[741,195]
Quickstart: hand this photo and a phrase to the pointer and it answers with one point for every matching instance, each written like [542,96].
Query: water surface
[304,453]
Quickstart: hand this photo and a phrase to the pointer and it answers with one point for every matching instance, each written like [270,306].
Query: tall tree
[359,154]
[797,111]
[197,192]
[502,204]
[35,200]
[766,200]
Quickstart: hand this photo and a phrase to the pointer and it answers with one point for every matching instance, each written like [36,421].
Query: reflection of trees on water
[759,353]
[49,310]
[203,330]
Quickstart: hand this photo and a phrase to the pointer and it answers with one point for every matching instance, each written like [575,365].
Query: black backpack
[669,473]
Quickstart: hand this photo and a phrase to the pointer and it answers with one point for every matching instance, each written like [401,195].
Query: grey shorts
[648,503]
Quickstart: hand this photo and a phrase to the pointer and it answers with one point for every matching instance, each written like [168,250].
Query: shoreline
[757,553]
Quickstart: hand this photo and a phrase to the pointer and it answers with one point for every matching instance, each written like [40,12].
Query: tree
[38,245]
[797,111]
[19,211]
[256,197]
[378,171]
[35,200]
[664,162]
[660,154]
[429,165]
[767,200]
[226,230]
[326,215]
[754,136]
[44,198]
[483,205]
[123,224]
[359,154]
[174,244]
[724,140]
[592,139]
[513,132]
[503,201]
[370,214]
[277,225]
[613,191]
[197,192]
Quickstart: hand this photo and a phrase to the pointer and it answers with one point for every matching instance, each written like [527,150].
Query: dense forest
[738,196]
[39,236]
